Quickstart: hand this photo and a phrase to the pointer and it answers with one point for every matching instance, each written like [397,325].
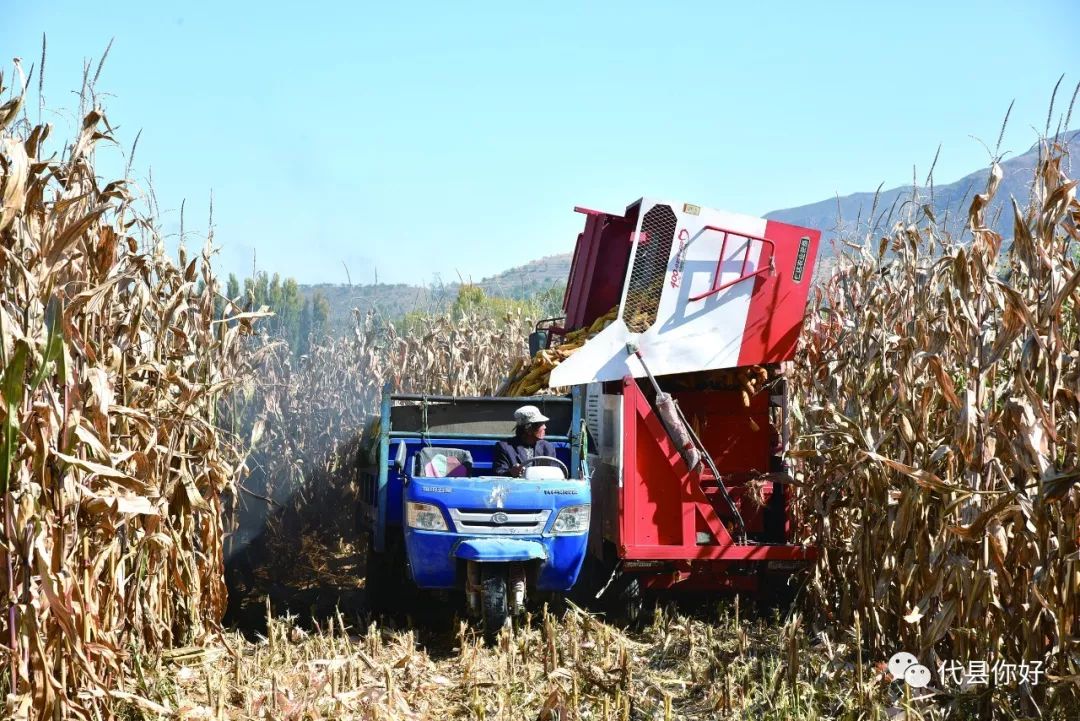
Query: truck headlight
[571,520]
[425,516]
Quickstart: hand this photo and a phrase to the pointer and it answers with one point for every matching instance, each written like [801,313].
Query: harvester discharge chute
[701,289]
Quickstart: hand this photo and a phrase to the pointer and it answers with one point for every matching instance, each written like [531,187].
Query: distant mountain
[526,280]
[395,300]
[848,214]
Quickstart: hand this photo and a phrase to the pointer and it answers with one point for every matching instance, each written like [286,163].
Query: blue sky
[455,138]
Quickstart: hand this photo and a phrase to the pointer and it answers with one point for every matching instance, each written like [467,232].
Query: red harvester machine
[686,401]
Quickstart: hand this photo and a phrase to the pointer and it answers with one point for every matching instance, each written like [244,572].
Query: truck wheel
[494,603]
[385,587]
[376,576]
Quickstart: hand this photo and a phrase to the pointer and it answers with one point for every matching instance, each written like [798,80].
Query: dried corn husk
[113,476]
[936,404]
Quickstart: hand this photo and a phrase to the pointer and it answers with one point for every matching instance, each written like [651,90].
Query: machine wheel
[494,601]
[629,603]
[777,592]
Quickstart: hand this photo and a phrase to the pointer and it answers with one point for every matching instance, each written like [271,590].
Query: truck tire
[386,589]
[494,601]
[375,576]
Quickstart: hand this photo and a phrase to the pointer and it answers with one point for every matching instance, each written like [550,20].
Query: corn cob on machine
[678,322]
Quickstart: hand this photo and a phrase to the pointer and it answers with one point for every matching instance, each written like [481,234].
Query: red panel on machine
[778,304]
[661,498]
[723,423]
[663,506]
[599,266]
[658,510]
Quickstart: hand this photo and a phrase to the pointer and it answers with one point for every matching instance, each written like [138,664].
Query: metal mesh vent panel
[593,408]
[650,268]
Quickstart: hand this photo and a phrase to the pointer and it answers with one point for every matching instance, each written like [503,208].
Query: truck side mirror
[538,339]
[399,457]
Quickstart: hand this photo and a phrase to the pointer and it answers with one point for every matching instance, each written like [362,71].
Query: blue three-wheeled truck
[436,517]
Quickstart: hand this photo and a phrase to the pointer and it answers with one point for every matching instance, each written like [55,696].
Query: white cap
[529,414]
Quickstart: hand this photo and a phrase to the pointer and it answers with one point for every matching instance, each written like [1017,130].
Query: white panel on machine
[611,436]
[593,411]
[675,261]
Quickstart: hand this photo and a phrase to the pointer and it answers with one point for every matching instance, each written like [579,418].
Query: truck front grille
[499,522]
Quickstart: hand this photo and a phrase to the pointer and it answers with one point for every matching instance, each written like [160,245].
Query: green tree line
[299,320]
[296,318]
[472,300]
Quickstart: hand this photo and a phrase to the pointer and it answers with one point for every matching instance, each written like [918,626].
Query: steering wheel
[526,464]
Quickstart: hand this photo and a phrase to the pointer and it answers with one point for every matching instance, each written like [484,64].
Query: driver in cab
[512,456]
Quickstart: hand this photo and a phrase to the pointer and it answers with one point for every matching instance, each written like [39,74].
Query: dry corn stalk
[938,400]
[112,473]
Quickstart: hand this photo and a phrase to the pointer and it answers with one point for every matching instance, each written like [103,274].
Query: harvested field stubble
[702,667]
[936,396]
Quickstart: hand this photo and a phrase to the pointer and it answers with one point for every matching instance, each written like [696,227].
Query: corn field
[112,472]
[146,443]
[307,407]
[938,400]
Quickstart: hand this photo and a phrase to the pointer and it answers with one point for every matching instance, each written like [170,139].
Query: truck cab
[436,517]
